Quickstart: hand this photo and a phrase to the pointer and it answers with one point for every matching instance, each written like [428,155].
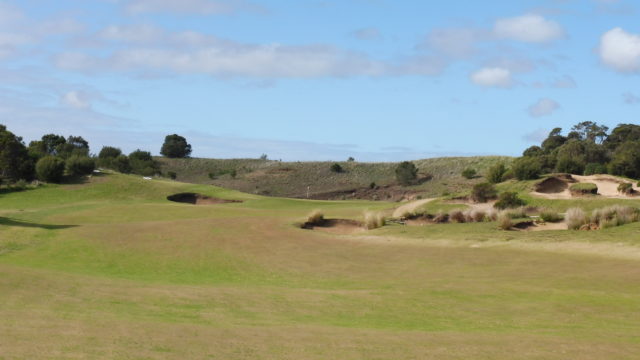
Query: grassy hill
[293,179]
[111,269]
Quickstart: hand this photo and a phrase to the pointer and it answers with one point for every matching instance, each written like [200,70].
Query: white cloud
[131,33]
[202,7]
[493,77]
[76,100]
[620,50]
[544,107]
[528,28]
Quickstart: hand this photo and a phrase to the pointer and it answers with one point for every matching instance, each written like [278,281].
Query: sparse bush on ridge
[336,168]
[469,173]
[495,173]
[406,173]
[484,192]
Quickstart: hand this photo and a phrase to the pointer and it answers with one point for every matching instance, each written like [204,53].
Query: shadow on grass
[18,223]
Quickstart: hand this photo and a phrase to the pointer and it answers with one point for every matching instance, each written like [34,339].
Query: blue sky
[379,80]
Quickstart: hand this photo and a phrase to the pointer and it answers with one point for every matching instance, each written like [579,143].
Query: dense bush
[142,163]
[509,200]
[336,168]
[80,165]
[495,173]
[172,175]
[15,162]
[526,168]
[50,169]
[406,173]
[469,173]
[595,168]
[121,164]
[483,192]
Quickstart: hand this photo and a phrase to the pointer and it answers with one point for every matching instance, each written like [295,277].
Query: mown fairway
[110,269]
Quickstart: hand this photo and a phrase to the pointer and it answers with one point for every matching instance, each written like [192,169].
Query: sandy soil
[607,187]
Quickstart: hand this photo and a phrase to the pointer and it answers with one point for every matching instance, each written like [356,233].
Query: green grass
[584,188]
[111,269]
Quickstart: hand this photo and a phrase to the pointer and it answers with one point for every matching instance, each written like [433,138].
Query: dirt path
[410,207]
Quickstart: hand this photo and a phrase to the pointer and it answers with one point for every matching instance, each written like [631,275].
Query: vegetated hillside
[357,179]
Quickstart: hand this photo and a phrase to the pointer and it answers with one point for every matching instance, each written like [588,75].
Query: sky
[378,80]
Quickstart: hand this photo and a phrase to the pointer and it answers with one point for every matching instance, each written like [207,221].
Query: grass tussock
[551,216]
[316,217]
[576,218]
[504,221]
[374,220]
[615,215]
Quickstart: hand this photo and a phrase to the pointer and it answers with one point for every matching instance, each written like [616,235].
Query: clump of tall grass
[316,217]
[615,215]
[625,188]
[576,218]
[373,220]
[504,221]
[441,218]
[492,215]
[550,216]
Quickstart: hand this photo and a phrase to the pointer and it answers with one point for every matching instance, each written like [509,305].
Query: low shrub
[625,188]
[509,200]
[483,192]
[551,216]
[575,218]
[504,221]
[374,220]
[526,168]
[172,175]
[469,173]
[478,215]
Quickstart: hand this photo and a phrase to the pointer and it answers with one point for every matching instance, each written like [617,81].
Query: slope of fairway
[111,269]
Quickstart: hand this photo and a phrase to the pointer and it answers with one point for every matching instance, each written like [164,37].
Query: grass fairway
[112,270]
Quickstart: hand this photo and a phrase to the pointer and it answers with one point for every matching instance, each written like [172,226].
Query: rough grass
[110,269]
[292,179]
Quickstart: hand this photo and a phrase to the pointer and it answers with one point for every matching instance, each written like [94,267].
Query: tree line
[54,158]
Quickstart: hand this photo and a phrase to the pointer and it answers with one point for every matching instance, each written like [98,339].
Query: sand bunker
[198,199]
[557,187]
[336,226]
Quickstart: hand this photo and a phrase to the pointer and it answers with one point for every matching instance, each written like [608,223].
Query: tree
[496,172]
[406,173]
[50,169]
[121,164]
[553,141]
[15,162]
[109,152]
[626,160]
[175,146]
[73,146]
[533,151]
[621,134]
[589,130]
